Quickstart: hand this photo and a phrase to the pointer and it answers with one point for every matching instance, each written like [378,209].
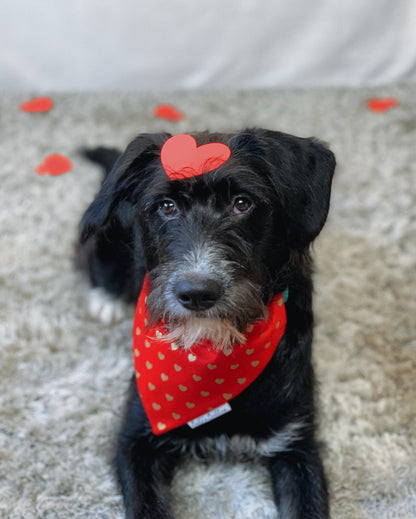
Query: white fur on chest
[244,447]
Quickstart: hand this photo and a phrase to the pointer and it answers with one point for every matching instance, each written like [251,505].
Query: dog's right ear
[120,181]
[301,171]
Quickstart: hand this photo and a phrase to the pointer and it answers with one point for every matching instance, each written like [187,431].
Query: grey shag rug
[63,376]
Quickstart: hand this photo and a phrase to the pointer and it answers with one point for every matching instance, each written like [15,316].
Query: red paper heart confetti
[54,165]
[382,104]
[168,112]
[182,158]
[39,104]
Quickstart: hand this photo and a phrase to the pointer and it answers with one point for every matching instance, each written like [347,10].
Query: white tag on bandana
[211,415]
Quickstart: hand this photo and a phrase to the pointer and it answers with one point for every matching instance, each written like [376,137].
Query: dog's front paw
[104,307]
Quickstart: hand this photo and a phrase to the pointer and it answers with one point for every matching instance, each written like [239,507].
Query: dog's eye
[168,208]
[242,204]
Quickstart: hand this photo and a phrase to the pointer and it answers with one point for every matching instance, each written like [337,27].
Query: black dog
[217,248]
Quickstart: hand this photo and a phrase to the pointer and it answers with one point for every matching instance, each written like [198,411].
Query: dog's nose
[197,293]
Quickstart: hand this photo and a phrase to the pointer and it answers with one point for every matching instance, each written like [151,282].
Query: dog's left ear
[301,171]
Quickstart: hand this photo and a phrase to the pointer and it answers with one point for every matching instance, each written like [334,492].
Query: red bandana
[194,386]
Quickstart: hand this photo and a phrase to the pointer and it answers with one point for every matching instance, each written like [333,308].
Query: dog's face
[218,245]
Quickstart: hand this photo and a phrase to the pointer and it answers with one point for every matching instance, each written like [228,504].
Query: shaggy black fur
[255,218]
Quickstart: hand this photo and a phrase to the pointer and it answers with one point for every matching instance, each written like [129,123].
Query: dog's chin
[195,330]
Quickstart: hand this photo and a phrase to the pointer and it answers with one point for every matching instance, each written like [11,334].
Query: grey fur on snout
[224,322]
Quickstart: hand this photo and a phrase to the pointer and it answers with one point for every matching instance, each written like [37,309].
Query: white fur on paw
[104,307]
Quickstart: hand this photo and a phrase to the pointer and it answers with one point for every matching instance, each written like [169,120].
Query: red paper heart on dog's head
[182,158]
